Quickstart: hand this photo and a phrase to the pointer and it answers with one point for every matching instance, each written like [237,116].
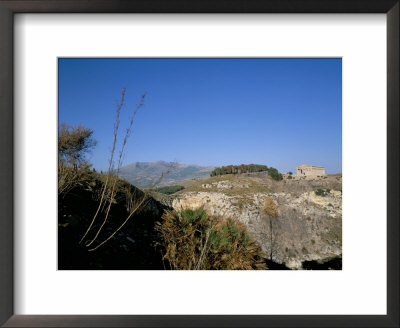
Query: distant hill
[145,174]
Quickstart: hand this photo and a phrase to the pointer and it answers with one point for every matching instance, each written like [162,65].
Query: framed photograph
[138,200]
[199,164]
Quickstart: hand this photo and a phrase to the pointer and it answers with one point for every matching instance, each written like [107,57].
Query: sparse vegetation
[193,240]
[253,185]
[334,234]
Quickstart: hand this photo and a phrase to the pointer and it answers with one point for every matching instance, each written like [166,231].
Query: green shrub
[274,174]
[322,192]
[193,240]
[169,189]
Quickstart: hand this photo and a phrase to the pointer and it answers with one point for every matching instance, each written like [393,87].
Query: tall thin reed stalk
[111,162]
[139,204]
[109,188]
[115,178]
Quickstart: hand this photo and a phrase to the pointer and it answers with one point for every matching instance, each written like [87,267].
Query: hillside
[309,225]
[132,248]
[145,174]
[307,233]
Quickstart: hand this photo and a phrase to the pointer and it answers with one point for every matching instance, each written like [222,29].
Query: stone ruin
[310,170]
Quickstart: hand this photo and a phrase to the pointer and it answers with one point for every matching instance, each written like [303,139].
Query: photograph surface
[199,164]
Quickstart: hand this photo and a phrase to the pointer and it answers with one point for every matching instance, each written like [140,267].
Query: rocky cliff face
[309,226]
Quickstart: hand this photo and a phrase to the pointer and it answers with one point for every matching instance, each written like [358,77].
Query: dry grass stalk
[69,178]
[115,177]
[111,162]
[271,211]
[137,207]
[134,204]
[270,208]
[109,189]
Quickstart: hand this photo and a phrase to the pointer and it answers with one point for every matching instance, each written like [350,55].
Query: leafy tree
[74,142]
[73,170]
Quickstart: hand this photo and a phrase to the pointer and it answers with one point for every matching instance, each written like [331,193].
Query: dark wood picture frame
[7,10]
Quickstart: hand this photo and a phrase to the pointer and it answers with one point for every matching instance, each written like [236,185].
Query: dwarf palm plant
[194,240]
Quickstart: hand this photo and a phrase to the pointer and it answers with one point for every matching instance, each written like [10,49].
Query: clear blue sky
[277,112]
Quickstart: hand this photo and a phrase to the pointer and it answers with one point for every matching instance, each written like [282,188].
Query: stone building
[310,170]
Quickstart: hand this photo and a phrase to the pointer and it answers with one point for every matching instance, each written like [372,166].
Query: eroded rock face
[309,226]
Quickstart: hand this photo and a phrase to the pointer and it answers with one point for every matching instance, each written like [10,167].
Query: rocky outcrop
[309,227]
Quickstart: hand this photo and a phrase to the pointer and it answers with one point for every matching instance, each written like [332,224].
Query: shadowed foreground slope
[131,248]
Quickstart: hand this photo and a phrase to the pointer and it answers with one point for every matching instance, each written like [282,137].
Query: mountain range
[147,174]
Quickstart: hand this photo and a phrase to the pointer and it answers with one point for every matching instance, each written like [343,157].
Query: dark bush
[274,174]
[236,169]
